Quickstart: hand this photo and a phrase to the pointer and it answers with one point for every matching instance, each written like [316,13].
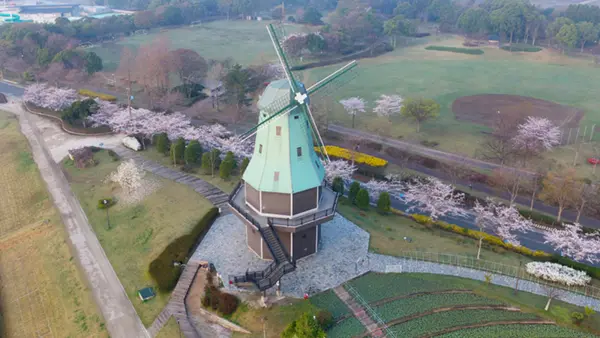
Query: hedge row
[538,217]
[101,96]
[537,255]
[456,50]
[162,270]
[521,48]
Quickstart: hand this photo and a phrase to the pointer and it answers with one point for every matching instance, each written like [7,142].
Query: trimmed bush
[162,270]
[538,217]
[354,189]
[110,203]
[225,168]
[244,165]
[384,203]
[362,199]
[192,153]
[177,150]
[456,50]
[93,94]
[162,143]
[338,185]
[521,48]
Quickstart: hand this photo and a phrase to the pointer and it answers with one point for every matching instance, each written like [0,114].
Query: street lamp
[105,202]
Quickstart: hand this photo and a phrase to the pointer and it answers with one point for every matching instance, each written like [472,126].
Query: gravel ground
[341,246]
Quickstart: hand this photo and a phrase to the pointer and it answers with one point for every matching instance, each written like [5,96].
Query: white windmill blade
[266,124]
[316,131]
[280,57]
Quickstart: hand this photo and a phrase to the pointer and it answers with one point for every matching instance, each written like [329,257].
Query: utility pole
[129,91]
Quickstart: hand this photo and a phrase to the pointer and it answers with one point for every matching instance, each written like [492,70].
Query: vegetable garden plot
[522,331]
[329,301]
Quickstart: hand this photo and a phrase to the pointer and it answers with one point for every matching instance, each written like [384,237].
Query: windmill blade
[332,77]
[282,58]
[278,114]
[315,130]
[264,123]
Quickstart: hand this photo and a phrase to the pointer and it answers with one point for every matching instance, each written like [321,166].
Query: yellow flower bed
[360,158]
[101,96]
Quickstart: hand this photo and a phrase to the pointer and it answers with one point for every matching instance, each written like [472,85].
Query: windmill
[283,198]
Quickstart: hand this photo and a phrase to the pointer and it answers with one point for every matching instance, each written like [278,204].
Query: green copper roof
[284,146]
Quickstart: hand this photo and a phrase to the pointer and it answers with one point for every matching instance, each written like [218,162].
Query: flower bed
[96,95]
[558,273]
[361,158]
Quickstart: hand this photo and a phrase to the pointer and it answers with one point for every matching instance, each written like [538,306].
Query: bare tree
[498,147]
[152,68]
[559,188]
[507,180]
[585,192]
[551,292]
[213,81]
[534,185]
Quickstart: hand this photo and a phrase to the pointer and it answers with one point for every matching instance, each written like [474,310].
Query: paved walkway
[119,314]
[212,193]
[358,311]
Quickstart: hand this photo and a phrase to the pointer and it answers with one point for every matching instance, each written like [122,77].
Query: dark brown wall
[266,251]
[254,239]
[304,242]
[305,200]
[252,196]
[286,240]
[275,203]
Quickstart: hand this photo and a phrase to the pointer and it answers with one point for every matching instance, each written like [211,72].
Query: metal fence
[381,325]
[497,268]
[584,134]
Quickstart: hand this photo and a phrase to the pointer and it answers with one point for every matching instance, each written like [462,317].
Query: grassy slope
[138,233]
[388,232]
[414,71]
[246,42]
[170,330]
[41,291]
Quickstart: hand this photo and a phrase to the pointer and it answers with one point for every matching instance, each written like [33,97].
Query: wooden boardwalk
[209,191]
[176,306]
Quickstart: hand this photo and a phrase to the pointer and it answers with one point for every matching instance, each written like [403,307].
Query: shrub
[192,153]
[421,219]
[305,327]
[110,203]
[338,185]
[162,270]
[228,303]
[521,48]
[244,165]
[225,169]
[325,319]
[538,217]
[577,317]
[456,50]
[223,302]
[361,158]
[211,161]
[384,203]
[592,271]
[101,96]
[162,143]
[353,191]
[362,199]
[177,150]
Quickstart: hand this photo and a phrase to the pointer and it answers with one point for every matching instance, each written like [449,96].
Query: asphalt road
[11,89]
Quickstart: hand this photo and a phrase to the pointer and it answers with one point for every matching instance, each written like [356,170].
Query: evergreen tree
[244,165]
[362,199]
[338,185]
[193,152]
[177,150]
[384,203]
[354,189]
[162,143]
[225,169]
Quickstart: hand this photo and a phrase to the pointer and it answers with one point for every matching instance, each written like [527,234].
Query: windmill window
[278,131]
[260,149]
[296,117]
[276,176]
[317,163]
[299,151]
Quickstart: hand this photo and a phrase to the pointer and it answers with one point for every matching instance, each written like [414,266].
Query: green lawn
[388,232]
[246,42]
[170,330]
[225,185]
[137,233]
[414,71]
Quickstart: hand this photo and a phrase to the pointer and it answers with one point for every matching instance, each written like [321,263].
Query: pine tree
[338,185]
[354,189]
[193,152]
[362,199]
[384,203]
[162,143]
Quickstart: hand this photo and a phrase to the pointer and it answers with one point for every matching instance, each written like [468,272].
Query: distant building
[48,13]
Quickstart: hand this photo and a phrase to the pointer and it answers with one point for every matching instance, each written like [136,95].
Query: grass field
[414,71]
[388,232]
[246,42]
[138,233]
[170,330]
[41,291]
[383,292]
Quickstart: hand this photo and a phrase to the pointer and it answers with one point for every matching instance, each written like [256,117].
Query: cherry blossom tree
[392,185]
[53,98]
[537,134]
[388,105]
[434,197]
[574,243]
[339,168]
[353,106]
[558,273]
[128,175]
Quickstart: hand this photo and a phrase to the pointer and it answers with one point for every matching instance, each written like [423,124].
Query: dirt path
[119,314]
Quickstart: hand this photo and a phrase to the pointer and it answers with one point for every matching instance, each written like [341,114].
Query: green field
[246,42]
[397,297]
[414,71]
[138,233]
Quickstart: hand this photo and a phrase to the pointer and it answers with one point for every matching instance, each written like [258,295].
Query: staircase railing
[287,256]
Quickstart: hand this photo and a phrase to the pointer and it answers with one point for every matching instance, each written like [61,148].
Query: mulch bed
[483,109]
